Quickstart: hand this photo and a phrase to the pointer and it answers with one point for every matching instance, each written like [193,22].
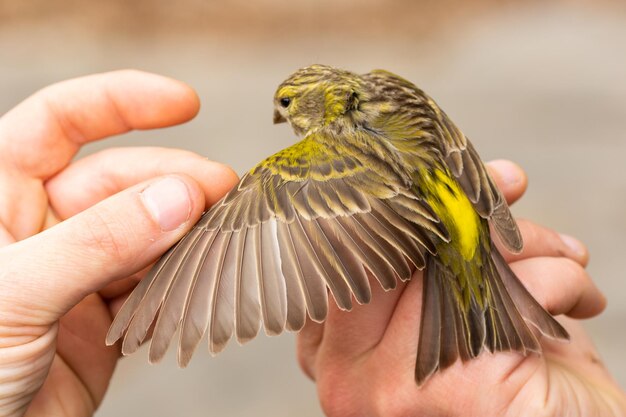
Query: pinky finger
[561,285]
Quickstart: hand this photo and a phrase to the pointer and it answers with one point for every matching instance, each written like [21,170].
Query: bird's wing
[307,218]
[472,175]
[459,154]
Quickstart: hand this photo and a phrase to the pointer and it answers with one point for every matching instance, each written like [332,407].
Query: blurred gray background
[544,85]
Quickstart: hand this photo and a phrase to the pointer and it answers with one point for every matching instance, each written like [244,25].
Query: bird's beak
[278,118]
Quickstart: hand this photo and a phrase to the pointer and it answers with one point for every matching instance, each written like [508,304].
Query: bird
[381,183]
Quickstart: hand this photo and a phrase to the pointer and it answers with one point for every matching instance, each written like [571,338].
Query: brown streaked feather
[247,304]
[222,315]
[451,329]
[417,117]
[317,202]
[391,219]
[171,313]
[129,308]
[417,206]
[515,334]
[333,270]
[301,202]
[506,228]
[430,339]
[354,200]
[406,239]
[313,278]
[332,198]
[470,180]
[283,207]
[152,300]
[527,306]
[486,198]
[272,292]
[354,271]
[453,342]
[295,285]
[362,244]
[198,303]
[382,246]
[418,212]
[395,238]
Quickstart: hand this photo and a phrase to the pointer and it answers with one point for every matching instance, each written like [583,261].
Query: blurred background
[542,83]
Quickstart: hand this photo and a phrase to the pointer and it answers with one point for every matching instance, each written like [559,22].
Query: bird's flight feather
[354,197]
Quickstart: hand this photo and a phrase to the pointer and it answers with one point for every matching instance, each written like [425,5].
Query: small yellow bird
[381,182]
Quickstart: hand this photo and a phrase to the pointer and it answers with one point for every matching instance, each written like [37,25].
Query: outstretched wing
[420,110]
[308,218]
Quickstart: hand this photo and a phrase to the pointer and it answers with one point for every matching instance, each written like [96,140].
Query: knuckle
[387,402]
[336,392]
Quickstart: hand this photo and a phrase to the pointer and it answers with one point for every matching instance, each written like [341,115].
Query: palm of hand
[567,379]
[82,365]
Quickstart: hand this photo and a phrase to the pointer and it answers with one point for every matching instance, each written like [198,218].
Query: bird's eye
[285,102]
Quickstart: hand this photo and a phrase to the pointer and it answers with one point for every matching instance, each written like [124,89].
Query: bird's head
[316,96]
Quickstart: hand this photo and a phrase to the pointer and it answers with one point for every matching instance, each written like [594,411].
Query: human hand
[116,212]
[363,361]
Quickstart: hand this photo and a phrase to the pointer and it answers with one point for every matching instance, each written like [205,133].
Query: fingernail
[168,202]
[574,245]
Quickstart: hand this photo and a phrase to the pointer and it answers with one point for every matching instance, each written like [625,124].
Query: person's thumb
[49,273]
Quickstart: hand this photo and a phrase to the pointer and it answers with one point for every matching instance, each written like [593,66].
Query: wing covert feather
[269,252]
[472,175]
[417,119]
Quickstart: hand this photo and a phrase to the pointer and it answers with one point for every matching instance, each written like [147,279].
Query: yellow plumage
[455,210]
[381,183]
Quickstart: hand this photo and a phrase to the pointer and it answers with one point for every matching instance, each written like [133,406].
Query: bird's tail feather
[449,332]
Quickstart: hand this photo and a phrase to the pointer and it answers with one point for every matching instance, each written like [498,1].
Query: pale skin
[77,236]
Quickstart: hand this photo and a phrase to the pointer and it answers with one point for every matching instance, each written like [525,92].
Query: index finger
[41,135]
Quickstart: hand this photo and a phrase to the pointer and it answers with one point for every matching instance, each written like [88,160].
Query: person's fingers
[348,333]
[398,344]
[52,271]
[307,345]
[100,175]
[5,236]
[41,135]
[509,177]
[561,285]
[79,344]
[24,202]
[541,241]
[352,333]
